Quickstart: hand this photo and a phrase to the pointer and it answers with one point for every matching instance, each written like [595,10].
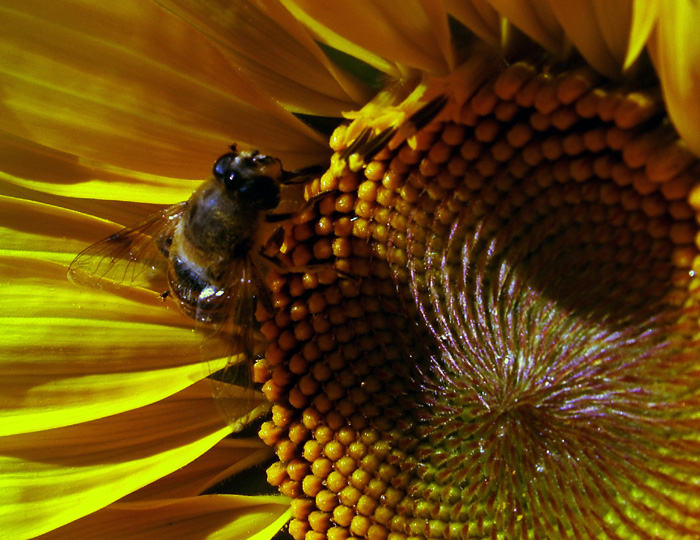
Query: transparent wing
[225,317]
[134,256]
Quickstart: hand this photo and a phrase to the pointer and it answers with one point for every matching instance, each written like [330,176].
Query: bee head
[249,175]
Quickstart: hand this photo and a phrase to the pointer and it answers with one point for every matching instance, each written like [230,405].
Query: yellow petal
[51,478]
[479,17]
[51,233]
[599,30]
[537,19]
[372,32]
[644,15]
[615,23]
[274,51]
[70,354]
[31,166]
[132,86]
[675,50]
[230,517]
[228,458]
[436,14]
[25,230]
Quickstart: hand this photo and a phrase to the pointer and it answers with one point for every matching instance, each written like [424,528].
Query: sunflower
[485,322]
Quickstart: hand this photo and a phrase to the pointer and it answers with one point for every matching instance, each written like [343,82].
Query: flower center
[547,366]
[495,336]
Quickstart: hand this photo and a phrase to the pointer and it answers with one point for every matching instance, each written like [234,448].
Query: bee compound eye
[262,192]
[224,169]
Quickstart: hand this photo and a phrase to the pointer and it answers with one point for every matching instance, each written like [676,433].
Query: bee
[211,250]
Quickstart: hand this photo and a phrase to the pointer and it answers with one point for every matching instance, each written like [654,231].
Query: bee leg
[314,268]
[276,218]
[270,251]
[275,261]
[272,246]
[163,244]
